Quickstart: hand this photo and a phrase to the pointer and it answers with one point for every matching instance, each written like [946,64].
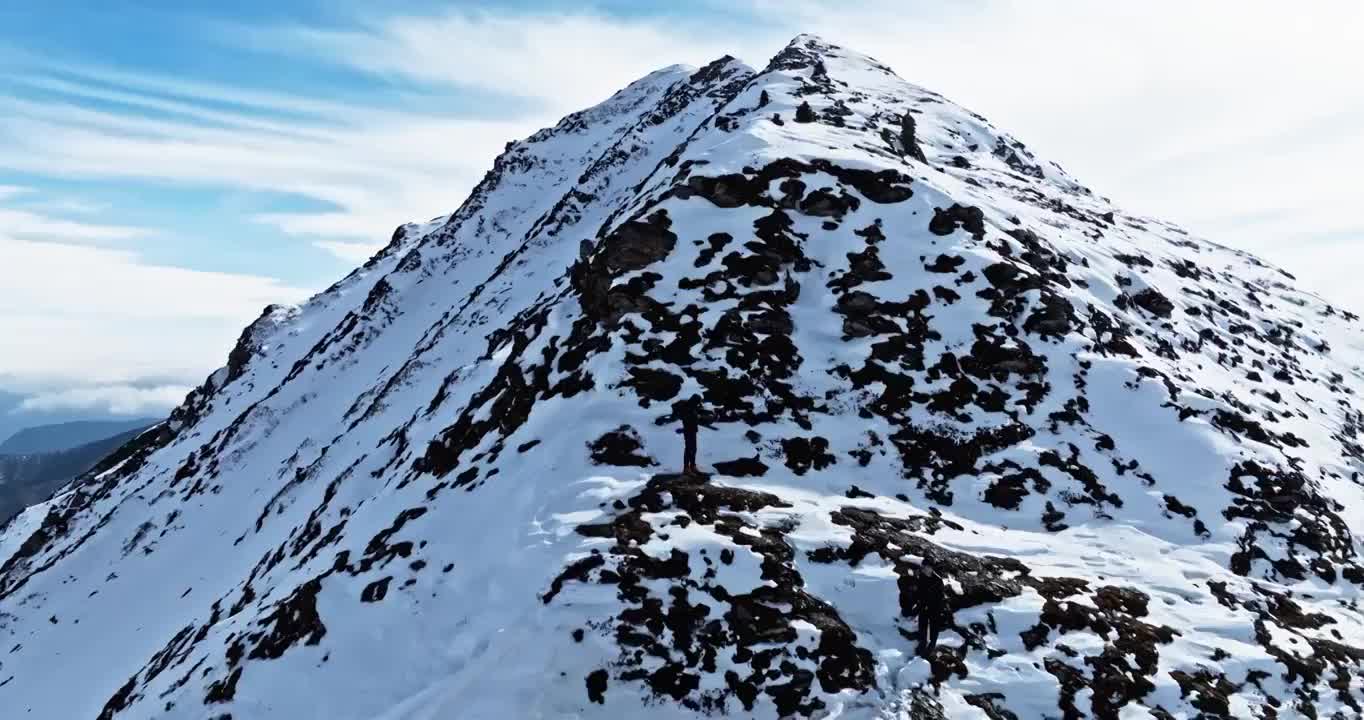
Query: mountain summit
[447,487]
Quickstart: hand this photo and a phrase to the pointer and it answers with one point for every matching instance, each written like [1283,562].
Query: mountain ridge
[67,435]
[27,478]
[899,327]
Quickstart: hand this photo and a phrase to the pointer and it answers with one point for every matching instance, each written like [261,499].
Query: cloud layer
[98,329]
[123,400]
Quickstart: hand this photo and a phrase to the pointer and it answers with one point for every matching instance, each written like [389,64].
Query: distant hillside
[29,478]
[68,435]
[15,416]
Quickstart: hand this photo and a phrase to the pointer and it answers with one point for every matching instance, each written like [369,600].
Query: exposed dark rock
[945,222]
[945,264]
[221,691]
[751,632]
[822,203]
[636,245]
[993,705]
[1054,317]
[1284,508]
[1153,302]
[376,591]
[908,142]
[1116,680]
[653,384]
[1205,690]
[752,188]
[1133,261]
[596,686]
[247,346]
[1008,490]
[805,454]
[743,467]
[621,447]
[1017,157]
[725,191]
[293,620]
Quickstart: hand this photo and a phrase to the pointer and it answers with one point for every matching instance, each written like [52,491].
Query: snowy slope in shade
[440,489]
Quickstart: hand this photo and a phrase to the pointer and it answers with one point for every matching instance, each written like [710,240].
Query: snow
[293,545]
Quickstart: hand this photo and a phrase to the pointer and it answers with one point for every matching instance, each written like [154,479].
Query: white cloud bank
[84,327]
[26,223]
[123,400]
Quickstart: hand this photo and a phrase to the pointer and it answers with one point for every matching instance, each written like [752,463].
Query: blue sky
[157,62]
[168,168]
[243,72]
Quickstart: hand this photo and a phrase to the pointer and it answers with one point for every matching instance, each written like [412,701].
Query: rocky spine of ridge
[1134,452]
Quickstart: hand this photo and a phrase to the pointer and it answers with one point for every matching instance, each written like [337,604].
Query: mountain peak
[811,42]
[450,485]
[807,50]
[815,44]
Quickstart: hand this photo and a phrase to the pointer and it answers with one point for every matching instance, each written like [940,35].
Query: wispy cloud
[124,400]
[373,165]
[377,169]
[562,61]
[40,226]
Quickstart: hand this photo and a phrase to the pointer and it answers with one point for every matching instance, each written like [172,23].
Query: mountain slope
[29,478]
[441,488]
[68,435]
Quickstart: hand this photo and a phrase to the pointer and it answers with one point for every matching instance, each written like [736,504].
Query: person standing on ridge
[929,593]
[689,413]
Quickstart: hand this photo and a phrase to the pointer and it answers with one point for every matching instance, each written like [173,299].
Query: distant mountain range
[67,435]
[19,413]
[36,462]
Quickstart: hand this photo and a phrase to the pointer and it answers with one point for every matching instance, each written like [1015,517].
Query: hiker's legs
[689,453]
[928,633]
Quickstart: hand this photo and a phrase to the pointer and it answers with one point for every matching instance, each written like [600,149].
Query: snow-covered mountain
[444,488]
